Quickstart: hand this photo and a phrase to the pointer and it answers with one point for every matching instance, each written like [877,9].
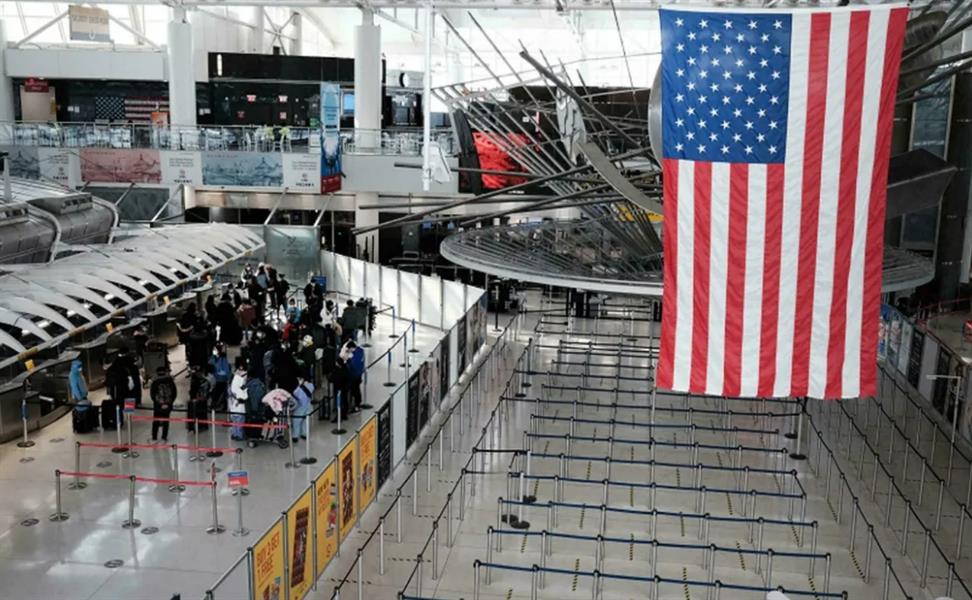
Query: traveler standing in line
[237,399]
[79,387]
[163,393]
[354,358]
[185,326]
[222,373]
[303,394]
[282,289]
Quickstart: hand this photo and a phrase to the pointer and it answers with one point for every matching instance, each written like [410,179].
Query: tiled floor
[65,561]
[654,465]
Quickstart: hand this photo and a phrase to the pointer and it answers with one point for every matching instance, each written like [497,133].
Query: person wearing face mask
[222,373]
[237,399]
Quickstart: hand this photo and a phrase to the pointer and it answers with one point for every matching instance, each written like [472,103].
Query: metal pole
[240,530]
[26,443]
[381,546]
[196,455]
[215,527]
[175,487]
[119,446]
[294,463]
[77,484]
[131,522]
[58,515]
[212,452]
[132,452]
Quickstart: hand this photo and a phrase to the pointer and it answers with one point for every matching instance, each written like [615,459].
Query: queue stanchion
[132,452]
[388,379]
[364,399]
[58,515]
[26,442]
[308,459]
[215,527]
[240,530]
[244,490]
[119,448]
[413,349]
[293,463]
[404,349]
[213,452]
[175,486]
[131,522]
[77,484]
[196,454]
[394,318]
[338,400]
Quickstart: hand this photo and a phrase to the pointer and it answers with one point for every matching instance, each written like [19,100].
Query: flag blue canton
[726,83]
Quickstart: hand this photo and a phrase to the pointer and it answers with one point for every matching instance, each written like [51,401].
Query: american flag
[776,129]
[137,110]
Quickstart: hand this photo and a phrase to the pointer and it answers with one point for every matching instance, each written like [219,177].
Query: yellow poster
[367,448]
[347,480]
[298,547]
[327,516]
[268,564]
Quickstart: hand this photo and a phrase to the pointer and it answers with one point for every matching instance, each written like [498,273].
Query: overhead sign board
[88,24]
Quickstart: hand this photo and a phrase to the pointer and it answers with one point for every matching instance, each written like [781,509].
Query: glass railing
[214,138]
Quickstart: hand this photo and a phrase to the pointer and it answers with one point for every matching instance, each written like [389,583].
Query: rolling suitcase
[86,420]
[109,416]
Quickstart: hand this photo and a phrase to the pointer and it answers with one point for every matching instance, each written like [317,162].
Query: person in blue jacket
[356,369]
[79,388]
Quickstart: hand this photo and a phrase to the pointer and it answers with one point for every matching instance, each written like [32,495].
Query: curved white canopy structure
[53,301]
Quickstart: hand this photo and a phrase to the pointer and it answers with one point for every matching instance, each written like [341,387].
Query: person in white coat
[236,399]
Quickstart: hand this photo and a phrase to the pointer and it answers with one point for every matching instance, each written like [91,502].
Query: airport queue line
[171,496]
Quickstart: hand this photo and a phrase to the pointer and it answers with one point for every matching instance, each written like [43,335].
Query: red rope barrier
[155,480]
[209,422]
[143,446]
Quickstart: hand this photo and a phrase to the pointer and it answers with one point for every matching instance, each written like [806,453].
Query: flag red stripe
[735,276]
[772,249]
[700,274]
[810,204]
[665,373]
[846,199]
[874,258]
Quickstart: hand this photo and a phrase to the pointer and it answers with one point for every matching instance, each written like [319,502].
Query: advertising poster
[330,106]
[110,165]
[904,346]
[325,491]
[60,166]
[244,169]
[384,460]
[298,547]
[435,378]
[181,168]
[330,161]
[914,357]
[411,425]
[894,338]
[347,479]
[368,448]
[444,367]
[24,161]
[268,564]
[884,332]
[300,172]
[425,394]
[461,346]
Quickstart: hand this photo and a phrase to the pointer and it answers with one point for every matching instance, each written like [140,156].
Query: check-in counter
[93,353]
[45,387]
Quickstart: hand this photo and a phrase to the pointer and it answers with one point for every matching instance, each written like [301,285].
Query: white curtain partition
[452,304]
[431,301]
[428,300]
[409,291]
[357,284]
[389,289]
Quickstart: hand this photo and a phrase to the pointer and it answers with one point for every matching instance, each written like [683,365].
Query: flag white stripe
[830,174]
[792,188]
[873,81]
[718,265]
[753,293]
[685,253]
